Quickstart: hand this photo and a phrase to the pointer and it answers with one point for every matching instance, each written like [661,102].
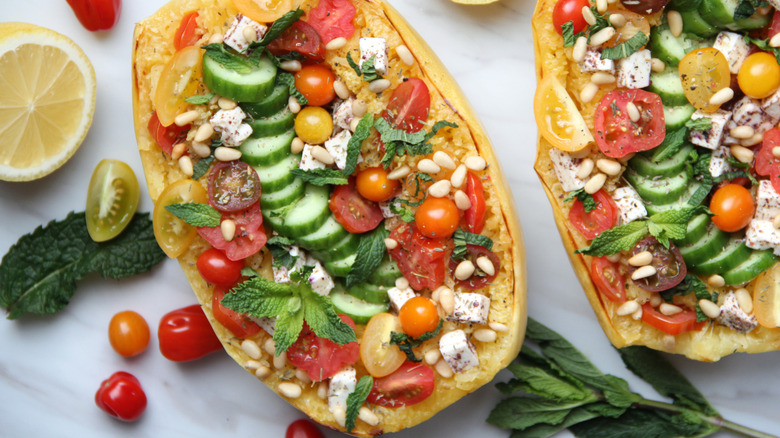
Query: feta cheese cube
[634,71]
[457,351]
[733,317]
[399,297]
[470,307]
[308,162]
[710,139]
[341,385]
[337,146]
[566,167]
[733,47]
[592,62]
[342,114]
[747,112]
[321,282]
[771,105]
[630,204]
[234,36]
[228,123]
[267,324]
[719,161]
[282,274]
[376,48]
[761,232]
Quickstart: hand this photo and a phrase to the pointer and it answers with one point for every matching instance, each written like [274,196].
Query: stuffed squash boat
[334,202]
[658,152]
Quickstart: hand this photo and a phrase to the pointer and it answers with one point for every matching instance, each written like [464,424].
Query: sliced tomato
[166,136]
[233,186]
[479,279]
[354,212]
[173,234]
[181,77]
[408,385]
[684,321]
[302,38]
[322,358]
[617,135]
[608,279]
[185,34]
[250,235]
[668,263]
[420,259]
[333,19]
[239,324]
[475,214]
[596,221]
[409,105]
[773,28]
[766,163]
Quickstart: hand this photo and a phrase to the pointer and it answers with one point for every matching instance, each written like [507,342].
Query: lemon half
[47,99]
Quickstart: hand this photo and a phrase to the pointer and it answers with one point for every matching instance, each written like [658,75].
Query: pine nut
[601,6]
[379,85]
[402,283]
[340,415]
[293,105]
[426,165]
[775,40]
[742,132]
[602,36]
[443,368]
[636,316]
[586,167]
[291,65]
[432,356]
[303,376]
[435,293]
[657,65]
[186,118]
[464,270]
[444,160]
[405,54]
[587,14]
[675,23]
[290,390]
[742,154]
[322,390]
[227,103]
[484,263]
[580,49]
[250,34]
[185,165]
[722,96]
[223,153]
[601,78]
[641,259]
[399,173]
[644,272]
[280,361]
[391,243]
[270,346]
[610,167]
[744,299]
[336,43]
[633,112]
[498,327]
[614,258]
[754,140]
[776,149]
[178,150]
[440,189]
[447,300]
[252,365]
[669,342]
[709,308]
[368,416]
[297,145]
[204,132]
[627,308]
[262,372]
[475,163]
[776,222]
[353,124]
[462,200]
[669,309]
[588,92]
[485,335]
[617,20]
[716,281]
[359,108]
[251,348]
[216,38]
[656,300]
[458,177]
[341,90]
[201,149]
[322,155]
[595,183]
[228,228]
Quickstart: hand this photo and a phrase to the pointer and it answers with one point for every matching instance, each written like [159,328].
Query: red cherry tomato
[333,19]
[733,207]
[479,279]
[418,316]
[594,222]
[186,334]
[475,214]
[420,259]
[216,268]
[315,82]
[303,428]
[121,396]
[128,333]
[240,325]
[168,136]
[250,235]
[354,212]
[773,28]
[668,262]
[617,135]
[684,321]
[409,105]
[96,15]
[569,10]
[408,385]
[322,358]
[185,34]
[372,183]
[233,186]
[302,38]
[608,279]
[437,218]
[766,163]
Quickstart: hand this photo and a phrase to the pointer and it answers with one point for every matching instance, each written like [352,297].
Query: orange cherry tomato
[264,11]
[418,316]
[373,184]
[128,333]
[733,207]
[315,82]
[437,217]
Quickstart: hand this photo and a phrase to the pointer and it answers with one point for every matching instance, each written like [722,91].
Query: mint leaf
[226,59]
[670,145]
[354,65]
[201,167]
[462,238]
[404,214]
[525,412]
[602,21]
[545,384]
[370,251]
[407,344]
[567,32]
[355,400]
[672,224]
[39,272]
[355,143]
[616,239]
[259,297]
[320,177]
[200,99]
[196,214]
[278,27]
[288,326]
[691,284]
[280,250]
[586,198]
[325,322]
[763,45]
[288,80]
[367,70]
[639,423]
[702,124]
[626,48]
[399,142]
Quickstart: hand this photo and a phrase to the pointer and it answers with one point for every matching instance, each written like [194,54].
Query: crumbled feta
[634,70]
[337,146]
[308,162]
[376,47]
[342,114]
[733,47]
[566,167]
[228,123]
[761,232]
[470,307]
[710,139]
[733,317]
[592,62]
[265,323]
[341,385]
[321,282]
[630,204]
[747,112]
[399,297]
[386,211]
[457,351]
[771,105]
[234,36]
[719,161]
[282,274]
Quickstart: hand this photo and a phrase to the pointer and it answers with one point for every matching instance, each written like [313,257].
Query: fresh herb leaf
[324,321]
[407,343]
[355,400]
[626,48]
[615,240]
[586,198]
[763,45]
[248,272]
[404,214]
[419,179]
[670,145]
[280,250]
[700,124]
[463,238]
[227,59]
[602,21]
[321,177]
[746,8]
[399,142]
[288,80]
[201,167]
[354,65]
[278,27]
[200,99]
[196,214]
[39,272]
[567,32]
[370,251]
[367,70]
[355,143]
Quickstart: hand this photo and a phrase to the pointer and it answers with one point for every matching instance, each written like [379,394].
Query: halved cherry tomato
[437,218]
[373,184]
[186,334]
[635,23]
[668,262]
[408,385]
[233,186]
[703,73]
[569,11]
[420,259]
[173,234]
[733,206]
[645,7]
[557,117]
[301,38]
[355,213]
[216,268]
[315,82]
[168,136]
[378,354]
[773,28]
[112,199]
[608,279]
[479,279]
[314,125]
[596,221]
[409,105]
[333,19]
[250,235]
[766,162]
[303,428]
[240,325]
[475,214]
[322,358]
[684,321]
[185,34]
[180,79]
[97,15]
[419,316]
[128,333]
[617,135]
[759,75]
[121,396]
[263,11]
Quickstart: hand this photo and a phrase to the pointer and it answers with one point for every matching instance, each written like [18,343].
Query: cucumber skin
[761,261]
[360,311]
[217,79]
[272,104]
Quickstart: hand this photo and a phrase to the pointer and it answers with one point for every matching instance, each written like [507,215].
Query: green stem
[715,421]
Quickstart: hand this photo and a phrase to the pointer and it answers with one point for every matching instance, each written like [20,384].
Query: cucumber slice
[684,5]
[370,293]
[284,197]
[675,117]
[330,233]
[658,190]
[697,228]
[278,176]
[276,219]
[267,151]
[664,46]
[308,214]
[668,86]
[252,86]
[276,124]
[674,165]
[695,24]
[340,268]
[755,21]
[360,311]
[386,273]
[684,201]
[272,104]
[729,257]
[758,262]
[346,246]
[719,13]
[703,249]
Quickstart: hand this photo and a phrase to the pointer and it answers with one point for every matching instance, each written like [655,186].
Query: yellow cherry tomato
[703,73]
[759,75]
[173,234]
[379,356]
[557,117]
[112,199]
[314,125]
[264,11]
[180,79]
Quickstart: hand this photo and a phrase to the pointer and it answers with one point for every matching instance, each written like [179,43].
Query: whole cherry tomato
[315,82]
[418,316]
[566,11]
[128,333]
[733,207]
[186,334]
[121,396]
[373,184]
[216,268]
[303,429]
[96,14]
[437,218]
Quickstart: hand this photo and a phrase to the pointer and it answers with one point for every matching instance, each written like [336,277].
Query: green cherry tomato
[111,200]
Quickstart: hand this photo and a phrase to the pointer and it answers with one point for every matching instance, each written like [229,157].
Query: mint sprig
[355,143]
[370,251]
[367,70]
[320,177]
[355,400]
[462,239]
[626,48]
[407,344]
[196,214]
[399,142]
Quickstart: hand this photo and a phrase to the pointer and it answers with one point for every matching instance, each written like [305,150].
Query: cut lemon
[557,117]
[766,297]
[47,98]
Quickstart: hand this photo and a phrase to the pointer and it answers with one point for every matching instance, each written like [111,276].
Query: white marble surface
[50,367]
